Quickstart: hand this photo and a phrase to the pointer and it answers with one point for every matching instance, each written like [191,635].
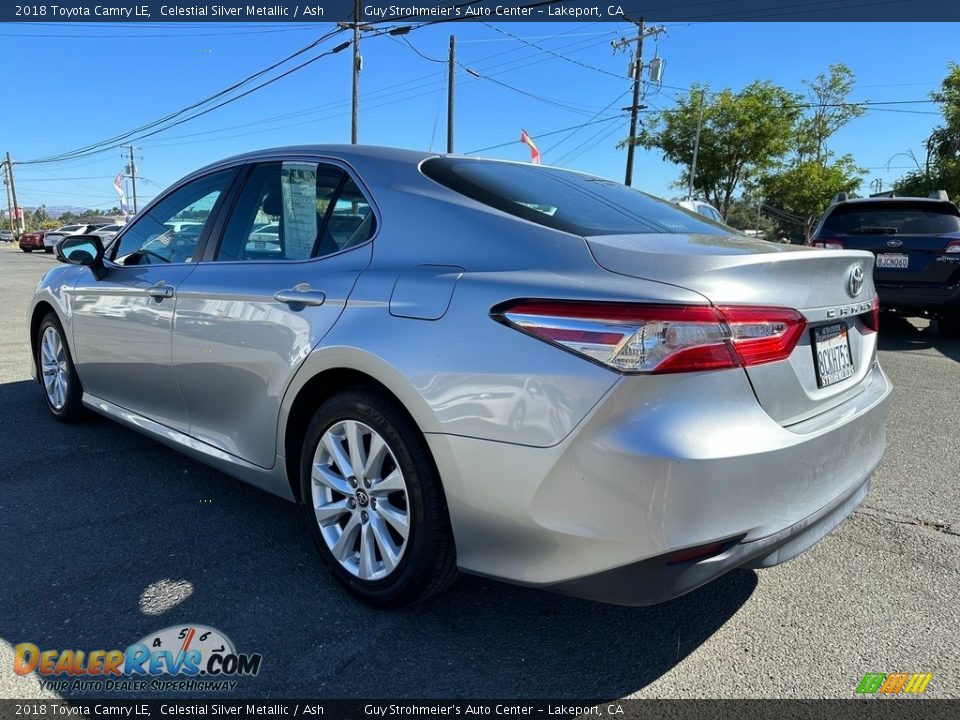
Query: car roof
[889,198]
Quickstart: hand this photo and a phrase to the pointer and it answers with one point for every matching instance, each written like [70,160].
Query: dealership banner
[505,709]
[439,11]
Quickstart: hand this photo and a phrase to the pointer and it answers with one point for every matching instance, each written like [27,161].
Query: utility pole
[637,74]
[13,195]
[6,183]
[450,86]
[133,179]
[356,73]
[635,106]
[696,144]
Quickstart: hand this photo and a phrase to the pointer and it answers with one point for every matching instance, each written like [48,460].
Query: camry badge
[855,284]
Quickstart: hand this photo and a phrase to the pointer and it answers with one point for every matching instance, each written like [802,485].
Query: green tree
[812,174]
[941,168]
[743,135]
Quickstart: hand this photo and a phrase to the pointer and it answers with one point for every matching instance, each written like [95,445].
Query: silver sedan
[461,364]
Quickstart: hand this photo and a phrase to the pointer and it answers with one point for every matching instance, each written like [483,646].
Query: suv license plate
[831,354]
[897,261]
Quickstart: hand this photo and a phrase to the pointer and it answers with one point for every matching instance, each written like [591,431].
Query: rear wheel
[27,249]
[374,502]
[58,377]
[48,250]
[948,325]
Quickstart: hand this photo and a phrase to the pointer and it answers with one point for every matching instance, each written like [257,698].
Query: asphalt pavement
[107,536]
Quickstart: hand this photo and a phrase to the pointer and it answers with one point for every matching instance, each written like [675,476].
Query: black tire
[949,325]
[27,249]
[72,408]
[428,564]
[48,250]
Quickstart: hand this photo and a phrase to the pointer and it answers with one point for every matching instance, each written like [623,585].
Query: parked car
[916,242]
[6,235]
[518,371]
[702,208]
[32,240]
[105,233]
[50,239]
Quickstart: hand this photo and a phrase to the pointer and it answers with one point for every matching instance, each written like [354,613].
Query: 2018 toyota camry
[452,363]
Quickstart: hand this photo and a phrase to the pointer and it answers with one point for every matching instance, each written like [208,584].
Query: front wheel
[374,502]
[48,250]
[58,377]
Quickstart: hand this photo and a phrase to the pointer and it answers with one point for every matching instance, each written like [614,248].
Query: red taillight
[827,244]
[661,338]
[952,247]
[871,320]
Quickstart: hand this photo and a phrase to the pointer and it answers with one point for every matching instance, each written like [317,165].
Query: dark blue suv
[916,242]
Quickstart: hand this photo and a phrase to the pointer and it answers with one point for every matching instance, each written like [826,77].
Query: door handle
[160,291]
[300,295]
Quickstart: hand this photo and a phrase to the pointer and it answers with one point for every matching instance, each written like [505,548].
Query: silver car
[452,363]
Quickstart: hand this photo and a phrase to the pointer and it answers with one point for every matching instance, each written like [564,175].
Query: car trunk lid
[738,270]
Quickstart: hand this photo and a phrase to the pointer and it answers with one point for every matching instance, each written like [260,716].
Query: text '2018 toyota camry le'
[517,371]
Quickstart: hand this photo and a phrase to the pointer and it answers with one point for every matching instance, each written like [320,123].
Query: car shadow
[109,536]
[898,333]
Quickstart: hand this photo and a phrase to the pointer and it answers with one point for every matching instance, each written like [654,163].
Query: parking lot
[108,536]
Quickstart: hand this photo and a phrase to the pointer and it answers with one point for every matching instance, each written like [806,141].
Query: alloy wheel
[359,499]
[54,368]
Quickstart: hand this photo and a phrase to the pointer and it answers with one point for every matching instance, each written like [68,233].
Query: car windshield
[893,218]
[563,200]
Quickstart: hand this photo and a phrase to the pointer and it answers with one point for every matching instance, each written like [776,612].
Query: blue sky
[92,81]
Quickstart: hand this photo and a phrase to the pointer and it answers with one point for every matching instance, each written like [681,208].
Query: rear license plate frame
[832,339]
[893,261]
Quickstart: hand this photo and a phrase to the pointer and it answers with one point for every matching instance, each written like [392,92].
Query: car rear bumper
[919,297]
[31,244]
[665,463]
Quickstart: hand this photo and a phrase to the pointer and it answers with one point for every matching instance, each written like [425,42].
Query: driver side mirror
[83,250]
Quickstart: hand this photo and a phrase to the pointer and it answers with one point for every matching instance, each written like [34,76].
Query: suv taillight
[659,339]
[827,244]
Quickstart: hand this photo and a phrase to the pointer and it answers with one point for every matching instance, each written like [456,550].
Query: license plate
[831,354]
[897,261]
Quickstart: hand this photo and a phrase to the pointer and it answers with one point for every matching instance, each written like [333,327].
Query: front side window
[170,231]
[295,211]
[563,200]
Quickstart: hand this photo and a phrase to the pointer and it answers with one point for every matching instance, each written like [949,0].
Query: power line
[117,140]
[542,135]
[551,52]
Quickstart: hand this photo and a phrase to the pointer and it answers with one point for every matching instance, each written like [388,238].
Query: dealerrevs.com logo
[894,683]
[183,657]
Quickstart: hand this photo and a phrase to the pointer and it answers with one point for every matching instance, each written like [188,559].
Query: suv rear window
[563,200]
[891,217]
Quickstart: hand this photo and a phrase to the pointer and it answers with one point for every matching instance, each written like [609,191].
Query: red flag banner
[534,152]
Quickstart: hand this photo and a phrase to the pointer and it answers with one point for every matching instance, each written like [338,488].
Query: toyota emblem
[856,281]
[894,243]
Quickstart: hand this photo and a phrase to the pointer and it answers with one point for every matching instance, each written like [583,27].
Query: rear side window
[567,201]
[296,211]
[893,218]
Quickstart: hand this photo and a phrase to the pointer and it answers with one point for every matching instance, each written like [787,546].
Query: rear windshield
[567,201]
[893,218]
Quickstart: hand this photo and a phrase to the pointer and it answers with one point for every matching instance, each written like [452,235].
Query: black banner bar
[440,11]
[874,708]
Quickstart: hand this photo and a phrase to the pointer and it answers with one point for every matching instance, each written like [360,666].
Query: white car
[702,208]
[52,238]
[106,232]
